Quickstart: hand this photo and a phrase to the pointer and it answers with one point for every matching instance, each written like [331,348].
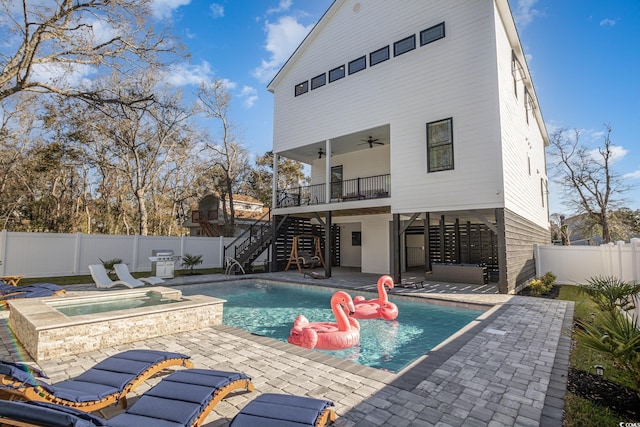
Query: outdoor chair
[36,290]
[102,385]
[279,410]
[102,279]
[122,271]
[184,398]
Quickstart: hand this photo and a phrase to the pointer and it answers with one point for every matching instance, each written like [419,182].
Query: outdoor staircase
[252,243]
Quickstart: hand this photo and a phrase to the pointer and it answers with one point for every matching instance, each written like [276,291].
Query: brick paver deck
[508,368]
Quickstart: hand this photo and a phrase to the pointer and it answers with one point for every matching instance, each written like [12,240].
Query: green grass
[578,411]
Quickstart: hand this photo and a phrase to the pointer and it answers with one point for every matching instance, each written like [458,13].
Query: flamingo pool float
[380,307]
[328,335]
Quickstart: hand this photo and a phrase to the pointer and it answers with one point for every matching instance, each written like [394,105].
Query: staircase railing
[252,239]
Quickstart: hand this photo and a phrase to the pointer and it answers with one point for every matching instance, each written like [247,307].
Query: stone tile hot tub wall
[48,334]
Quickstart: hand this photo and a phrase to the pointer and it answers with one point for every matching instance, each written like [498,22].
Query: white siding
[523,147]
[452,77]
[363,163]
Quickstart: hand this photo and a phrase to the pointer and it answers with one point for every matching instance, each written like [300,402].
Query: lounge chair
[184,398]
[122,271]
[102,279]
[104,384]
[282,410]
[36,290]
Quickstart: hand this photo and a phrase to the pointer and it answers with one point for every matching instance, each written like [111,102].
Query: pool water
[108,305]
[270,308]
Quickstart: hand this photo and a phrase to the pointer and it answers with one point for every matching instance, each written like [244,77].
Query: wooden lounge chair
[122,271]
[36,290]
[104,384]
[184,398]
[102,279]
[277,410]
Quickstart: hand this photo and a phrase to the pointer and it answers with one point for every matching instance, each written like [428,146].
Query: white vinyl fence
[51,254]
[575,265]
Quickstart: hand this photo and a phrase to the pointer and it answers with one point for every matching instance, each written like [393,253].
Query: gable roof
[507,20]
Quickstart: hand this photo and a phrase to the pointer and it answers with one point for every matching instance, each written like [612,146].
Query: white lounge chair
[102,279]
[123,274]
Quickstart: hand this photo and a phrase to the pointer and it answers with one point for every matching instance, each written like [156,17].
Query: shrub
[191,261]
[611,293]
[537,287]
[549,279]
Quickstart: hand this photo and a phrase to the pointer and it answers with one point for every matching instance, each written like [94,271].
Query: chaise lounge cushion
[281,410]
[177,400]
[47,414]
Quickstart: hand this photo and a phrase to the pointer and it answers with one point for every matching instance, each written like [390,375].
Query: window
[336,74]
[358,65]
[404,45]
[527,103]
[302,88]
[440,145]
[379,56]
[318,81]
[432,34]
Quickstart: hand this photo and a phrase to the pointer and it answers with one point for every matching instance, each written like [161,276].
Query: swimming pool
[269,308]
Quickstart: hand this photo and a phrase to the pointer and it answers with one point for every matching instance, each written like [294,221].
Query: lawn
[594,401]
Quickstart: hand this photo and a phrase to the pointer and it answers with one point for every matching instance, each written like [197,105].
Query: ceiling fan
[371,140]
[321,153]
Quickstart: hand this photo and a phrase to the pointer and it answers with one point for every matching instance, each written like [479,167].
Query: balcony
[371,187]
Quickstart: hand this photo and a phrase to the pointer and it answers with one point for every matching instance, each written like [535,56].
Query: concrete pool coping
[508,369]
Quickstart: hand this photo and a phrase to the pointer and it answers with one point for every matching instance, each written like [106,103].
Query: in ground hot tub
[78,322]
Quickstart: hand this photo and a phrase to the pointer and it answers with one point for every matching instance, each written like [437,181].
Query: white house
[424,137]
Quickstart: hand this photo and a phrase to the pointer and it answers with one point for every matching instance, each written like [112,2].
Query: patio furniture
[278,410]
[102,279]
[122,271]
[184,398]
[104,384]
[36,290]
[11,280]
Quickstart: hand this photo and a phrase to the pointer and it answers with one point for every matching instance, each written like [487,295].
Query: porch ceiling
[340,145]
[347,212]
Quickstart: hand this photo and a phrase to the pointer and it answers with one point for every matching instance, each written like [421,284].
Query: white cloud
[188,74]
[524,12]
[617,154]
[632,175]
[63,75]
[283,38]
[217,10]
[249,96]
[607,21]
[162,9]
[283,6]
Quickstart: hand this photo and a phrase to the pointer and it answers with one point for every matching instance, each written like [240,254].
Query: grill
[162,263]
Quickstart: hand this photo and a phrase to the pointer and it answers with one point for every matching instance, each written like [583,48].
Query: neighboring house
[424,137]
[208,218]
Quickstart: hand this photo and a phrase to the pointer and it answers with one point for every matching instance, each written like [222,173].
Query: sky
[584,58]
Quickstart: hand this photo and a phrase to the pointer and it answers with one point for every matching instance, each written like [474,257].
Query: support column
[274,183]
[427,244]
[327,180]
[503,283]
[328,244]
[274,254]
[395,247]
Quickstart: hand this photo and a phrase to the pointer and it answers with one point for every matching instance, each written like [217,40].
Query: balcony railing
[371,187]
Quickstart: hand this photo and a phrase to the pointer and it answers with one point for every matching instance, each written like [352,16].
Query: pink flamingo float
[344,333]
[380,307]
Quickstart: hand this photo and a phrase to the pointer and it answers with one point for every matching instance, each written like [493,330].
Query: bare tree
[590,184]
[139,143]
[229,158]
[45,43]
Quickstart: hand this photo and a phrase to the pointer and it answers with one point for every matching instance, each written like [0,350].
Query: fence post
[635,242]
[221,251]
[136,248]
[3,251]
[77,254]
